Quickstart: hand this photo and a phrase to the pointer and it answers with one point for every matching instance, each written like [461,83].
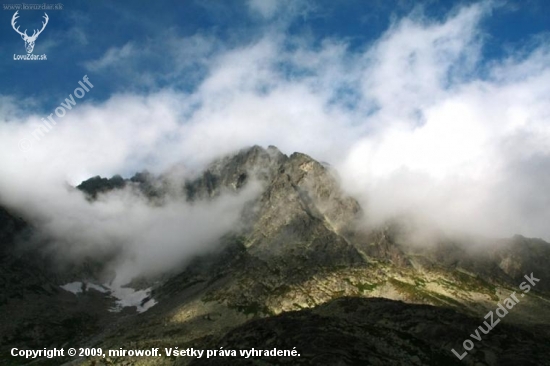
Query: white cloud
[445,148]
[407,122]
[113,56]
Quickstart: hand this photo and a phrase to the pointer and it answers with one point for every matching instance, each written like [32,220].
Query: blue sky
[439,108]
[84,32]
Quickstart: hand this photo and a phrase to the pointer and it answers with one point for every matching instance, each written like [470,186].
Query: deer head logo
[29,41]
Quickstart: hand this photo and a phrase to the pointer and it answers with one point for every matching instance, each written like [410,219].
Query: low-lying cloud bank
[131,234]
[417,122]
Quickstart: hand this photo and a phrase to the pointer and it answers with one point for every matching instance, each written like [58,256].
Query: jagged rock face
[97,185]
[519,256]
[303,211]
[382,245]
[234,172]
[297,181]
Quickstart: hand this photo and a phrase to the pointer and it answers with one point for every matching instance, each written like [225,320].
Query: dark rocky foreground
[355,331]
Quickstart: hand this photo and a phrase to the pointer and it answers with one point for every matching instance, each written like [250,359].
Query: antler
[34,34]
[13,19]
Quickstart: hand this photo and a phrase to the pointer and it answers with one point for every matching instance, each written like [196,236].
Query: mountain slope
[35,312]
[300,245]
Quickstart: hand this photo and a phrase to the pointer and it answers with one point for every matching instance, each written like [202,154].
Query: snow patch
[129,297]
[126,296]
[74,287]
[101,288]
